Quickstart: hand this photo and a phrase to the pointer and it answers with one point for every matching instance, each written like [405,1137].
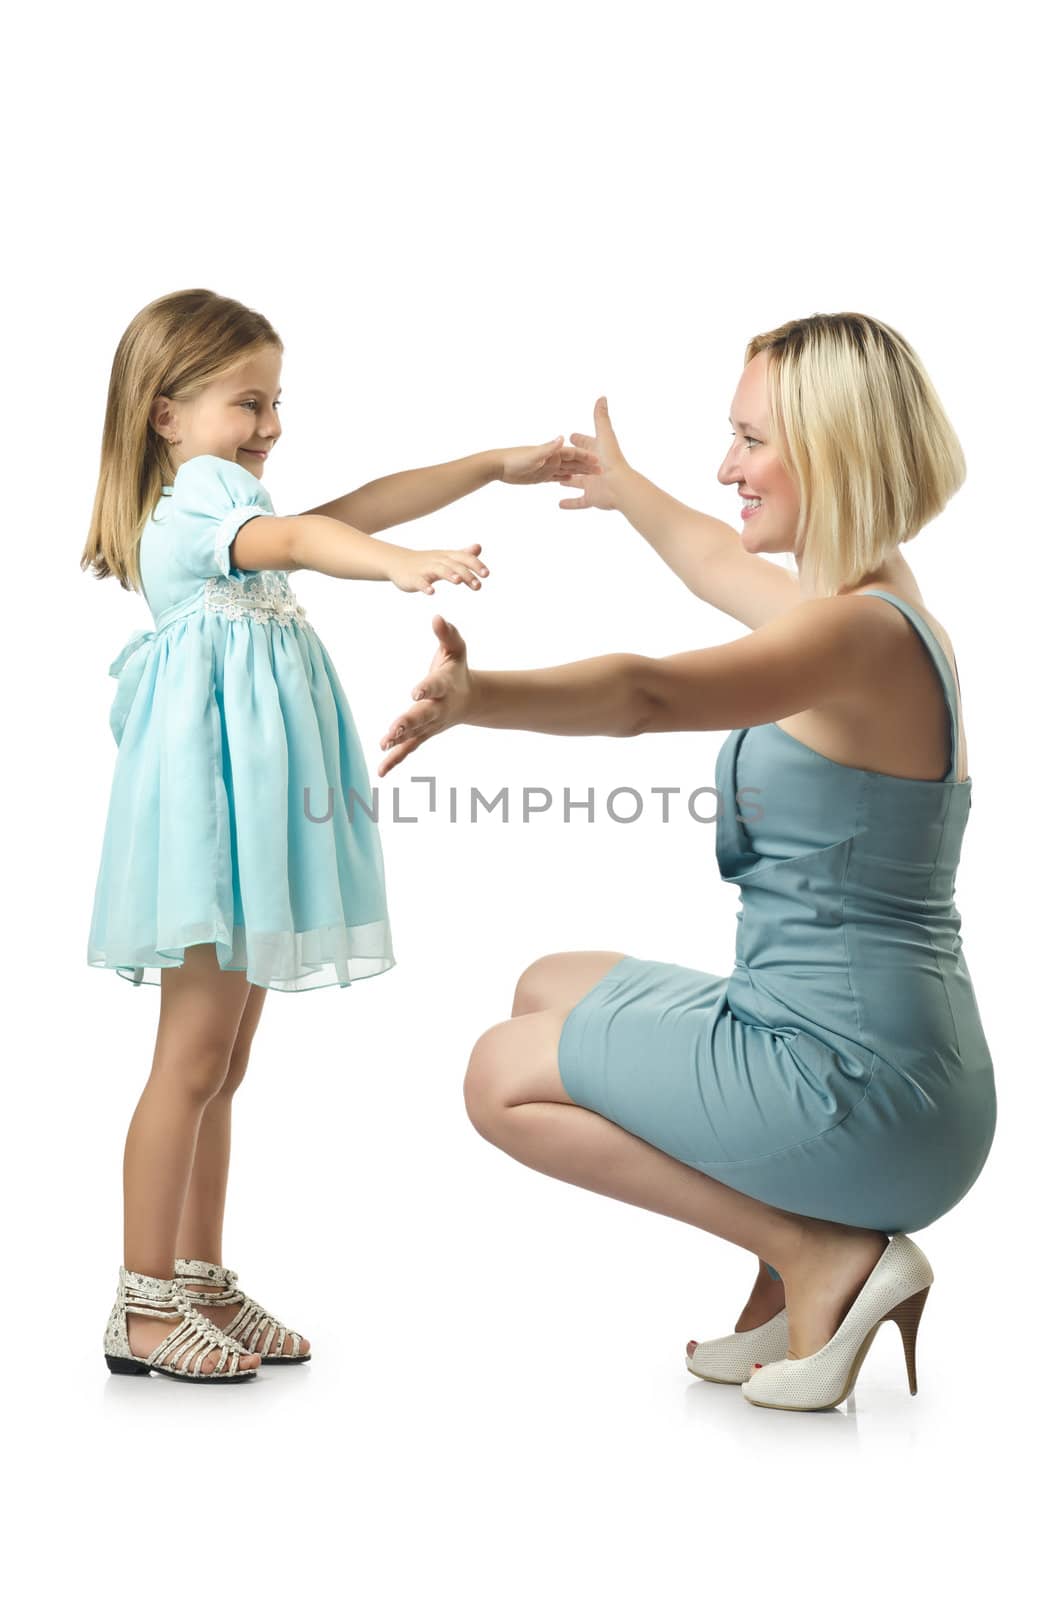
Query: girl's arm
[324,544]
[404,496]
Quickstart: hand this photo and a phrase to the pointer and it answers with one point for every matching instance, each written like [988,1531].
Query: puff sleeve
[212,498]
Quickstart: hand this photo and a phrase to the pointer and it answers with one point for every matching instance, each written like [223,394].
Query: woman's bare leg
[202,1221]
[199,1015]
[516,1100]
[558,982]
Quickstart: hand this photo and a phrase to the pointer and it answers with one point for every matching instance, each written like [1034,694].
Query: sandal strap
[211,1272]
[154,1297]
[252,1320]
[185,1349]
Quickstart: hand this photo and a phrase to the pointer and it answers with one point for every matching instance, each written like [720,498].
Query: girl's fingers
[472,566]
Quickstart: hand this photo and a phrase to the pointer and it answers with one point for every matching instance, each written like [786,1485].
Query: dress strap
[942,665]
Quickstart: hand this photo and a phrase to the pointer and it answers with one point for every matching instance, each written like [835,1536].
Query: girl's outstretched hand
[417,570]
[442,697]
[546,463]
[600,490]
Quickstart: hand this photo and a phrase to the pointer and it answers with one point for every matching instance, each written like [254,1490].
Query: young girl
[219,869]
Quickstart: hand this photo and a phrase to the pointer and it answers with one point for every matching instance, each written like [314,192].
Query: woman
[836,1087]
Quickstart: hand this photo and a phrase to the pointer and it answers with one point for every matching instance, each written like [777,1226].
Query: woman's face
[236,417]
[753,466]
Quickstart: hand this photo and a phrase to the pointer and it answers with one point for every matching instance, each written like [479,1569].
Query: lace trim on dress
[263,597]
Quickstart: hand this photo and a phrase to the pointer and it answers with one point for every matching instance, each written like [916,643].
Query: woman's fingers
[407,728]
[398,754]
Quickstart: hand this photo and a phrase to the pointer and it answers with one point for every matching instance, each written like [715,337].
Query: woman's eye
[254,402]
[747,436]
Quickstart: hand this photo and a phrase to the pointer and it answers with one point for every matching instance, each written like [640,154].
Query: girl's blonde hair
[175,346]
[860,428]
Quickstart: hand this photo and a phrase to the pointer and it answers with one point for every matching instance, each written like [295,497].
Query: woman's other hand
[417,570]
[553,462]
[600,490]
[441,698]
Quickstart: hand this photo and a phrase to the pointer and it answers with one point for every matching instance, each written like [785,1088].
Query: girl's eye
[254,402]
[747,436]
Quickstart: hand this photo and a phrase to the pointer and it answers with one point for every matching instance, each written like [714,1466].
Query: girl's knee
[197,1073]
[237,1071]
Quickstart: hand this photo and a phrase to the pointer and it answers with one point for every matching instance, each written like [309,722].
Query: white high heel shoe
[732,1358]
[894,1291]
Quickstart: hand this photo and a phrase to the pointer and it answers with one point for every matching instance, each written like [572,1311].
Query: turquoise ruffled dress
[241,811]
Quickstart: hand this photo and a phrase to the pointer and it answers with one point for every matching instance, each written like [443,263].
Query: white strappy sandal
[256,1331]
[182,1352]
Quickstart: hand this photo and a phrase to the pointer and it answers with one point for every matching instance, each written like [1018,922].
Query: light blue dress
[840,1070]
[241,812]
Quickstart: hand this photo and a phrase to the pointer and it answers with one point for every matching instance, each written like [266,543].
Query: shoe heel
[907,1316]
[131,1369]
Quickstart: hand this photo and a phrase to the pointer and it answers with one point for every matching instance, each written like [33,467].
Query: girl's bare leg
[558,982]
[202,1220]
[199,1016]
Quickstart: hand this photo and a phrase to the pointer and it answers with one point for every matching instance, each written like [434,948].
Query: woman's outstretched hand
[546,463]
[418,570]
[442,698]
[600,489]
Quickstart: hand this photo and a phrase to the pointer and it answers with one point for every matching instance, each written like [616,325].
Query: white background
[466,222]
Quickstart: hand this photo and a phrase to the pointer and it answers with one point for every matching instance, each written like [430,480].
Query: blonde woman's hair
[860,428]
[175,346]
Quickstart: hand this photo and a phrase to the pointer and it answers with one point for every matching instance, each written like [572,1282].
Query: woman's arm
[706,554]
[598,695]
[404,496]
[824,651]
[805,658]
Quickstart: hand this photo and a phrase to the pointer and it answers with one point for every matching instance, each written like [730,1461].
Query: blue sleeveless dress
[840,1070]
[241,813]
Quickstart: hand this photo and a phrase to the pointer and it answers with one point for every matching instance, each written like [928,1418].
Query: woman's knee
[483,1099]
[530,986]
[558,981]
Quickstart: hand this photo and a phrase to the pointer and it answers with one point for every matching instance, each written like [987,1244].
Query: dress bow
[128,668]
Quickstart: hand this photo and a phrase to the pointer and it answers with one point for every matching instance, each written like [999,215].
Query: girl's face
[236,417]
[753,466]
